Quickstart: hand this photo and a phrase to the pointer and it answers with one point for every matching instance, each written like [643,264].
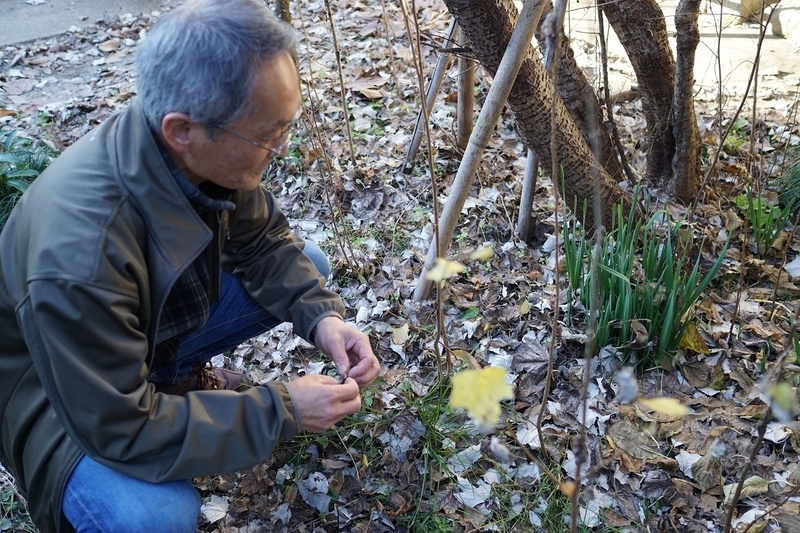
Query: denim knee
[178,513]
[318,257]
[98,500]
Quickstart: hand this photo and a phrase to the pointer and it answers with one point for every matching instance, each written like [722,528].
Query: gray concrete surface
[721,62]
[24,20]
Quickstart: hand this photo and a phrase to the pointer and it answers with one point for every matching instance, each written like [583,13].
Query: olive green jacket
[87,259]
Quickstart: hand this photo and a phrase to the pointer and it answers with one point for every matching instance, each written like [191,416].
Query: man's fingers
[365,366]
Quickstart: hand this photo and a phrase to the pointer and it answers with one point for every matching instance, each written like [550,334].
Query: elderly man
[144,250]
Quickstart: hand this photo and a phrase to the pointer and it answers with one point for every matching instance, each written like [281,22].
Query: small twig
[774,376]
[607,99]
[389,39]
[342,243]
[762,429]
[342,88]
[756,65]
[718,151]
[347,448]
[740,287]
[777,505]
[552,25]
[417,56]
[531,457]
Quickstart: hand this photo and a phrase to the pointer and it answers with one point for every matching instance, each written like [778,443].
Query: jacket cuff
[282,394]
[298,423]
[313,326]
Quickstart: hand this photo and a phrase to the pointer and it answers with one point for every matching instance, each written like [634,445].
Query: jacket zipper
[214,254]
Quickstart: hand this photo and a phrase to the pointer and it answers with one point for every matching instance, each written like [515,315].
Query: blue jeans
[99,499]
[233,320]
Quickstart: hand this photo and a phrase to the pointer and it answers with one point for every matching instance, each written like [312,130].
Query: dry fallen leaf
[400,335]
[567,488]
[692,340]
[110,46]
[633,439]
[707,471]
[752,486]
[215,509]
[640,335]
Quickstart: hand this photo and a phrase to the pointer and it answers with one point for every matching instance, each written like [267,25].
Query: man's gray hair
[202,58]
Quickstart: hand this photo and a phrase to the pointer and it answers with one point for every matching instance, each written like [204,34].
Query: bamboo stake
[524,228]
[466,101]
[442,62]
[498,94]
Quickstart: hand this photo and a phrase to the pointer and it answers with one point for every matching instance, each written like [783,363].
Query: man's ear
[176,131]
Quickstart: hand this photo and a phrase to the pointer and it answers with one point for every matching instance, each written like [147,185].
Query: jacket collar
[178,230]
[206,197]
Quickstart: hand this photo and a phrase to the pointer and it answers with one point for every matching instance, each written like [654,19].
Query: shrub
[21,161]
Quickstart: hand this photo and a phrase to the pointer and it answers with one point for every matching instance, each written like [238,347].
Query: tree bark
[282,11]
[488,25]
[686,163]
[579,96]
[642,31]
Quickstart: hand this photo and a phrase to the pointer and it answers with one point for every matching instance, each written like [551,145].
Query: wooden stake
[498,94]
[524,229]
[466,101]
[442,62]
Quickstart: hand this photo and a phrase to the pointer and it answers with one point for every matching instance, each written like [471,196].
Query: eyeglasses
[282,141]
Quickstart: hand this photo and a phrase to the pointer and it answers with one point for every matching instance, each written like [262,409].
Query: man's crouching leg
[99,499]
[236,318]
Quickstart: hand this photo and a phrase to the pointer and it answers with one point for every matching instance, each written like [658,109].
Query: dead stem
[342,242]
[389,39]
[775,375]
[607,100]
[342,88]
[750,80]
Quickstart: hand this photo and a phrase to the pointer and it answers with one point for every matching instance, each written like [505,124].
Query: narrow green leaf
[20,185]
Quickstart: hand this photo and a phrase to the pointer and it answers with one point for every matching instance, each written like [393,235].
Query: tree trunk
[642,31]
[579,96]
[282,11]
[686,164]
[488,25]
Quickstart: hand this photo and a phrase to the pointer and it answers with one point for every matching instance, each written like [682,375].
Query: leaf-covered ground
[408,462]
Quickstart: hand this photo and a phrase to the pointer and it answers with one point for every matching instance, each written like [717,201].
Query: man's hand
[321,401]
[349,350]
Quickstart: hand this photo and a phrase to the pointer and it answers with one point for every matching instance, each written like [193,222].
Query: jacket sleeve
[94,376]
[275,271]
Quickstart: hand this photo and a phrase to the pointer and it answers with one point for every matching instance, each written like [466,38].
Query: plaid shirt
[187,306]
